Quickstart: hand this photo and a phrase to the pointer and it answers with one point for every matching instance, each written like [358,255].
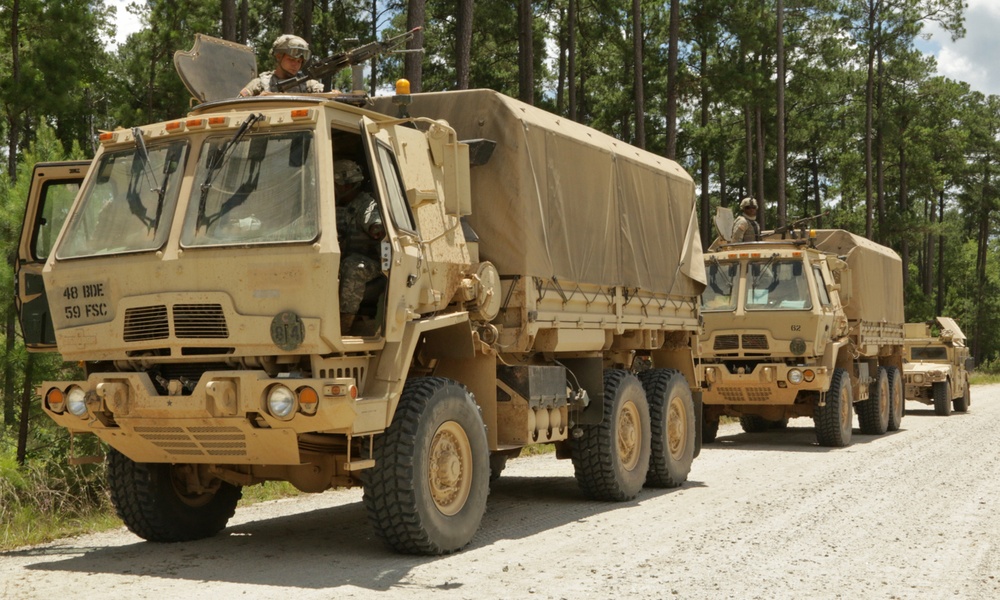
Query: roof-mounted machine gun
[331,65]
[796,228]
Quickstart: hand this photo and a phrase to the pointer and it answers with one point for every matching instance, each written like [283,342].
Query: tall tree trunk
[904,210]
[879,154]
[571,60]
[463,50]
[26,392]
[8,367]
[675,28]
[637,82]
[869,117]
[706,225]
[928,275]
[373,63]
[781,113]
[229,20]
[288,16]
[561,76]
[817,197]
[940,257]
[525,53]
[244,21]
[13,132]
[306,8]
[761,204]
[748,125]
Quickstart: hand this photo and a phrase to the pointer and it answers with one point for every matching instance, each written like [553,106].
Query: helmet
[748,203]
[347,172]
[291,45]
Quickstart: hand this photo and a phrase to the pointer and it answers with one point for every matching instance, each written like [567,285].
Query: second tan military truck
[805,326]
[937,364]
[537,282]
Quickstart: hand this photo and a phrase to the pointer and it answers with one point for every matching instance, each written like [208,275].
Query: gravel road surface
[911,514]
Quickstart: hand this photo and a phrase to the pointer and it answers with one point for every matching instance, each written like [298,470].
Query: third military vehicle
[804,325]
[937,365]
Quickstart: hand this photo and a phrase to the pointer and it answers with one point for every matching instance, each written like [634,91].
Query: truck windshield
[718,294]
[256,189]
[929,353]
[129,203]
[777,285]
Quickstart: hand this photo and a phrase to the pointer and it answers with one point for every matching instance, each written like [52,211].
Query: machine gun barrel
[334,64]
[796,224]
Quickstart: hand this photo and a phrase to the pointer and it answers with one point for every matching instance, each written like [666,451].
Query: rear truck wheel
[427,492]
[779,424]
[611,459]
[709,430]
[962,404]
[754,423]
[942,398]
[498,461]
[873,413]
[169,503]
[897,403]
[672,427]
[835,419]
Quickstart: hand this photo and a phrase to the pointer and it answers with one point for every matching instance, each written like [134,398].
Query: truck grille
[755,342]
[199,321]
[191,321]
[727,342]
[753,395]
[146,323]
[196,441]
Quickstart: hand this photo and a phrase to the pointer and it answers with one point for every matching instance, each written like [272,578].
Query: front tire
[873,413]
[896,400]
[754,423]
[709,430]
[672,427]
[427,492]
[155,503]
[942,398]
[835,419]
[962,404]
[611,459]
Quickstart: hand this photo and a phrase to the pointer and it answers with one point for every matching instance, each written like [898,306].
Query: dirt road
[906,515]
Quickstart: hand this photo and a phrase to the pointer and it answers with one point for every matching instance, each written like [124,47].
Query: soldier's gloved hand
[376,231]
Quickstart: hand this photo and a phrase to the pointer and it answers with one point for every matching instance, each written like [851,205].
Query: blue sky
[974,58]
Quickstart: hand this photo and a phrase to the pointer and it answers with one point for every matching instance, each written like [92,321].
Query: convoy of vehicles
[937,364]
[539,283]
[810,325]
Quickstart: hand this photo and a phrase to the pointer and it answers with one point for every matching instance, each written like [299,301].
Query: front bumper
[225,420]
[766,384]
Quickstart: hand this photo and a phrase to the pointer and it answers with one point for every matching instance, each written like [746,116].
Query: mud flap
[699,409]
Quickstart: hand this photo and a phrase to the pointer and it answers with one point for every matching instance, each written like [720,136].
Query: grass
[976,378]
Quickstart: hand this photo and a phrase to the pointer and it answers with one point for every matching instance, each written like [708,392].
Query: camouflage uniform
[360,229]
[267,82]
[746,230]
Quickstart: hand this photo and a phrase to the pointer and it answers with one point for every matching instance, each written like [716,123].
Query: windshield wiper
[219,160]
[140,167]
[721,271]
[762,271]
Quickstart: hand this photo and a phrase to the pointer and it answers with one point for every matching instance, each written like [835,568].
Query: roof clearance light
[796,254]
[107,137]
[195,123]
[175,127]
[302,113]
[218,122]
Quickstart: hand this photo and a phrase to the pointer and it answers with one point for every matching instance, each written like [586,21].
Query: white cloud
[972,58]
[125,22]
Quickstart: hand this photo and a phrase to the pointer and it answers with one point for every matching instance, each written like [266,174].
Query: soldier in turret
[289,52]
[745,227]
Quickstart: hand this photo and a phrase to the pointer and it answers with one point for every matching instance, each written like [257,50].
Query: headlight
[918,378]
[710,375]
[55,400]
[281,402]
[795,376]
[76,401]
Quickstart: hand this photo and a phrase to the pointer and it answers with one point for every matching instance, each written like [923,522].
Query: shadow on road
[791,439]
[330,547]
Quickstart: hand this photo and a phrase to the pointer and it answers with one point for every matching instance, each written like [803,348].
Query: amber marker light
[194,123]
[218,122]
[301,113]
[808,375]
[106,137]
[55,400]
[308,400]
[175,127]
[402,86]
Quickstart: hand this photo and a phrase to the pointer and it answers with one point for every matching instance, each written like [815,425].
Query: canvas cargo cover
[876,276]
[561,200]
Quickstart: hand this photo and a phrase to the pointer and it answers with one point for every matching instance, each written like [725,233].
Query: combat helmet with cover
[347,172]
[291,45]
[748,202]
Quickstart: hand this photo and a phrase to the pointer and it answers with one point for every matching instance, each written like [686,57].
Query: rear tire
[942,398]
[427,492]
[153,501]
[672,427]
[873,413]
[754,423]
[835,420]
[709,430]
[611,458]
[897,402]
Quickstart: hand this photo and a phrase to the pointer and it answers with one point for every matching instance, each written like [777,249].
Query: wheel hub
[450,464]
[629,435]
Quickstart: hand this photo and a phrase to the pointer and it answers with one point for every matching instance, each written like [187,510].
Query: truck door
[53,188]
[402,251]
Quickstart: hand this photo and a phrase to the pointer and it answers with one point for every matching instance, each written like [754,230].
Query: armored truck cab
[536,281]
[811,326]
[936,365]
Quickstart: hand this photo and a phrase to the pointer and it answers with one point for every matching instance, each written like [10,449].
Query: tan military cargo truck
[546,292]
[810,326]
[936,365]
